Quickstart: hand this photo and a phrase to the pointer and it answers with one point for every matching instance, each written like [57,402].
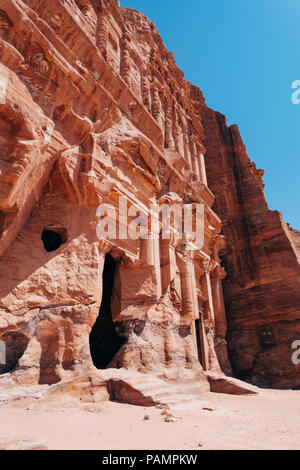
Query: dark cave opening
[197,328]
[104,341]
[53,237]
[15,346]
[52,240]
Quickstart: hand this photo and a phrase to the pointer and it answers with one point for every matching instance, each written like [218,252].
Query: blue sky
[244,55]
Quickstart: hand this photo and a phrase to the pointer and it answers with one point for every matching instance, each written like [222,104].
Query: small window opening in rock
[53,238]
[104,341]
[15,346]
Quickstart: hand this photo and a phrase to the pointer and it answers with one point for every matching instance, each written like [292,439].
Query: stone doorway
[104,341]
[202,346]
[15,346]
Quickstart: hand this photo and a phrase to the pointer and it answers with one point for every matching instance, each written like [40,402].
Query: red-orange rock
[93,110]
[261,258]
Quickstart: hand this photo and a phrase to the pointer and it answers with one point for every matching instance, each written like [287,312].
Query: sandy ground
[267,421]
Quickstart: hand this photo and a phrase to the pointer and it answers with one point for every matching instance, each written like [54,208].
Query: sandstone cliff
[261,259]
[93,110]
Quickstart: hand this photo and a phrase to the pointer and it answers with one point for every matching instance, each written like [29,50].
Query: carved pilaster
[219,307]
[186,144]
[202,168]
[185,264]
[146,92]
[156,107]
[125,58]
[177,133]
[102,33]
[169,127]
[194,155]
[146,251]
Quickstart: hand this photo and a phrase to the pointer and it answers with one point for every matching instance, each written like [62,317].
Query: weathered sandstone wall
[93,110]
[261,259]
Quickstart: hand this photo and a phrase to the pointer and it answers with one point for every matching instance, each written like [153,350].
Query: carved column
[155,229]
[186,144]
[146,251]
[203,352]
[187,279]
[168,263]
[146,92]
[169,127]
[209,294]
[202,168]
[102,32]
[177,133]
[218,274]
[190,305]
[168,260]
[165,264]
[125,58]
[219,307]
[195,163]
[156,107]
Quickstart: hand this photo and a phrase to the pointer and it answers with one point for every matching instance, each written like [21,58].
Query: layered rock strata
[261,259]
[94,112]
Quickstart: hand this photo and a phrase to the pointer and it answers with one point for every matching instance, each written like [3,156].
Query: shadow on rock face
[104,341]
[15,346]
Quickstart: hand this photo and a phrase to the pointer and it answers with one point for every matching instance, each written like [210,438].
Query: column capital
[218,271]
[183,256]
[104,247]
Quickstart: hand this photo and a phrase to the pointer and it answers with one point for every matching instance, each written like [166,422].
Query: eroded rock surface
[261,258]
[93,110]
[20,443]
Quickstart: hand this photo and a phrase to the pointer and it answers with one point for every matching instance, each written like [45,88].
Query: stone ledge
[229,385]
